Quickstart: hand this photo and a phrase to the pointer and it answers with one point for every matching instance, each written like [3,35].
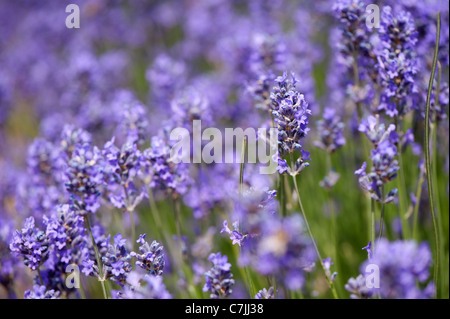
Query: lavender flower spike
[151,258]
[219,279]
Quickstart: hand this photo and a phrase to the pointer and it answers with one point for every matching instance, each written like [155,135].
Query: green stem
[170,243]
[382,214]
[416,206]
[40,276]
[428,159]
[178,225]
[372,224]
[133,229]
[332,213]
[401,185]
[241,189]
[130,212]
[330,284]
[97,257]
[81,290]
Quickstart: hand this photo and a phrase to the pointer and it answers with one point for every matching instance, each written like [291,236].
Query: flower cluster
[161,172]
[354,45]
[384,165]
[284,249]
[143,287]
[358,288]
[403,268]
[84,176]
[396,61]
[151,256]
[67,234]
[219,279]
[291,115]
[384,169]
[31,243]
[121,169]
[116,261]
[330,131]
[41,292]
[266,294]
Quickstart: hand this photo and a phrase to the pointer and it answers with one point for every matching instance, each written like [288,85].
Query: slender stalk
[288,193]
[382,214]
[133,229]
[401,186]
[241,167]
[416,206]
[177,214]
[97,257]
[40,276]
[434,130]
[282,196]
[372,224]
[330,284]
[130,212]
[332,212]
[428,159]
[241,190]
[177,258]
[81,290]
[154,210]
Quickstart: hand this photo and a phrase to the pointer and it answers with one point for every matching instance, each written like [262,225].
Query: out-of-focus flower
[266,294]
[143,287]
[403,268]
[41,292]
[330,131]
[358,288]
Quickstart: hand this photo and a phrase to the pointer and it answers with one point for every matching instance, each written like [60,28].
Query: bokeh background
[153,65]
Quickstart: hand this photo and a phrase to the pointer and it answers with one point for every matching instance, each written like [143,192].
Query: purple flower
[41,292]
[402,265]
[265,294]
[358,288]
[122,166]
[354,38]
[67,234]
[219,279]
[189,105]
[161,172]
[280,247]
[142,287]
[384,165]
[72,137]
[260,91]
[31,243]
[396,61]
[291,114]
[116,261]
[84,176]
[368,248]
[151,256]
[235,236]
[132,117]
[165,76]
[376,131]
[330,131]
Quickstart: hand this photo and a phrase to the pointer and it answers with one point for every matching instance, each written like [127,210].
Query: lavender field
[218,149]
